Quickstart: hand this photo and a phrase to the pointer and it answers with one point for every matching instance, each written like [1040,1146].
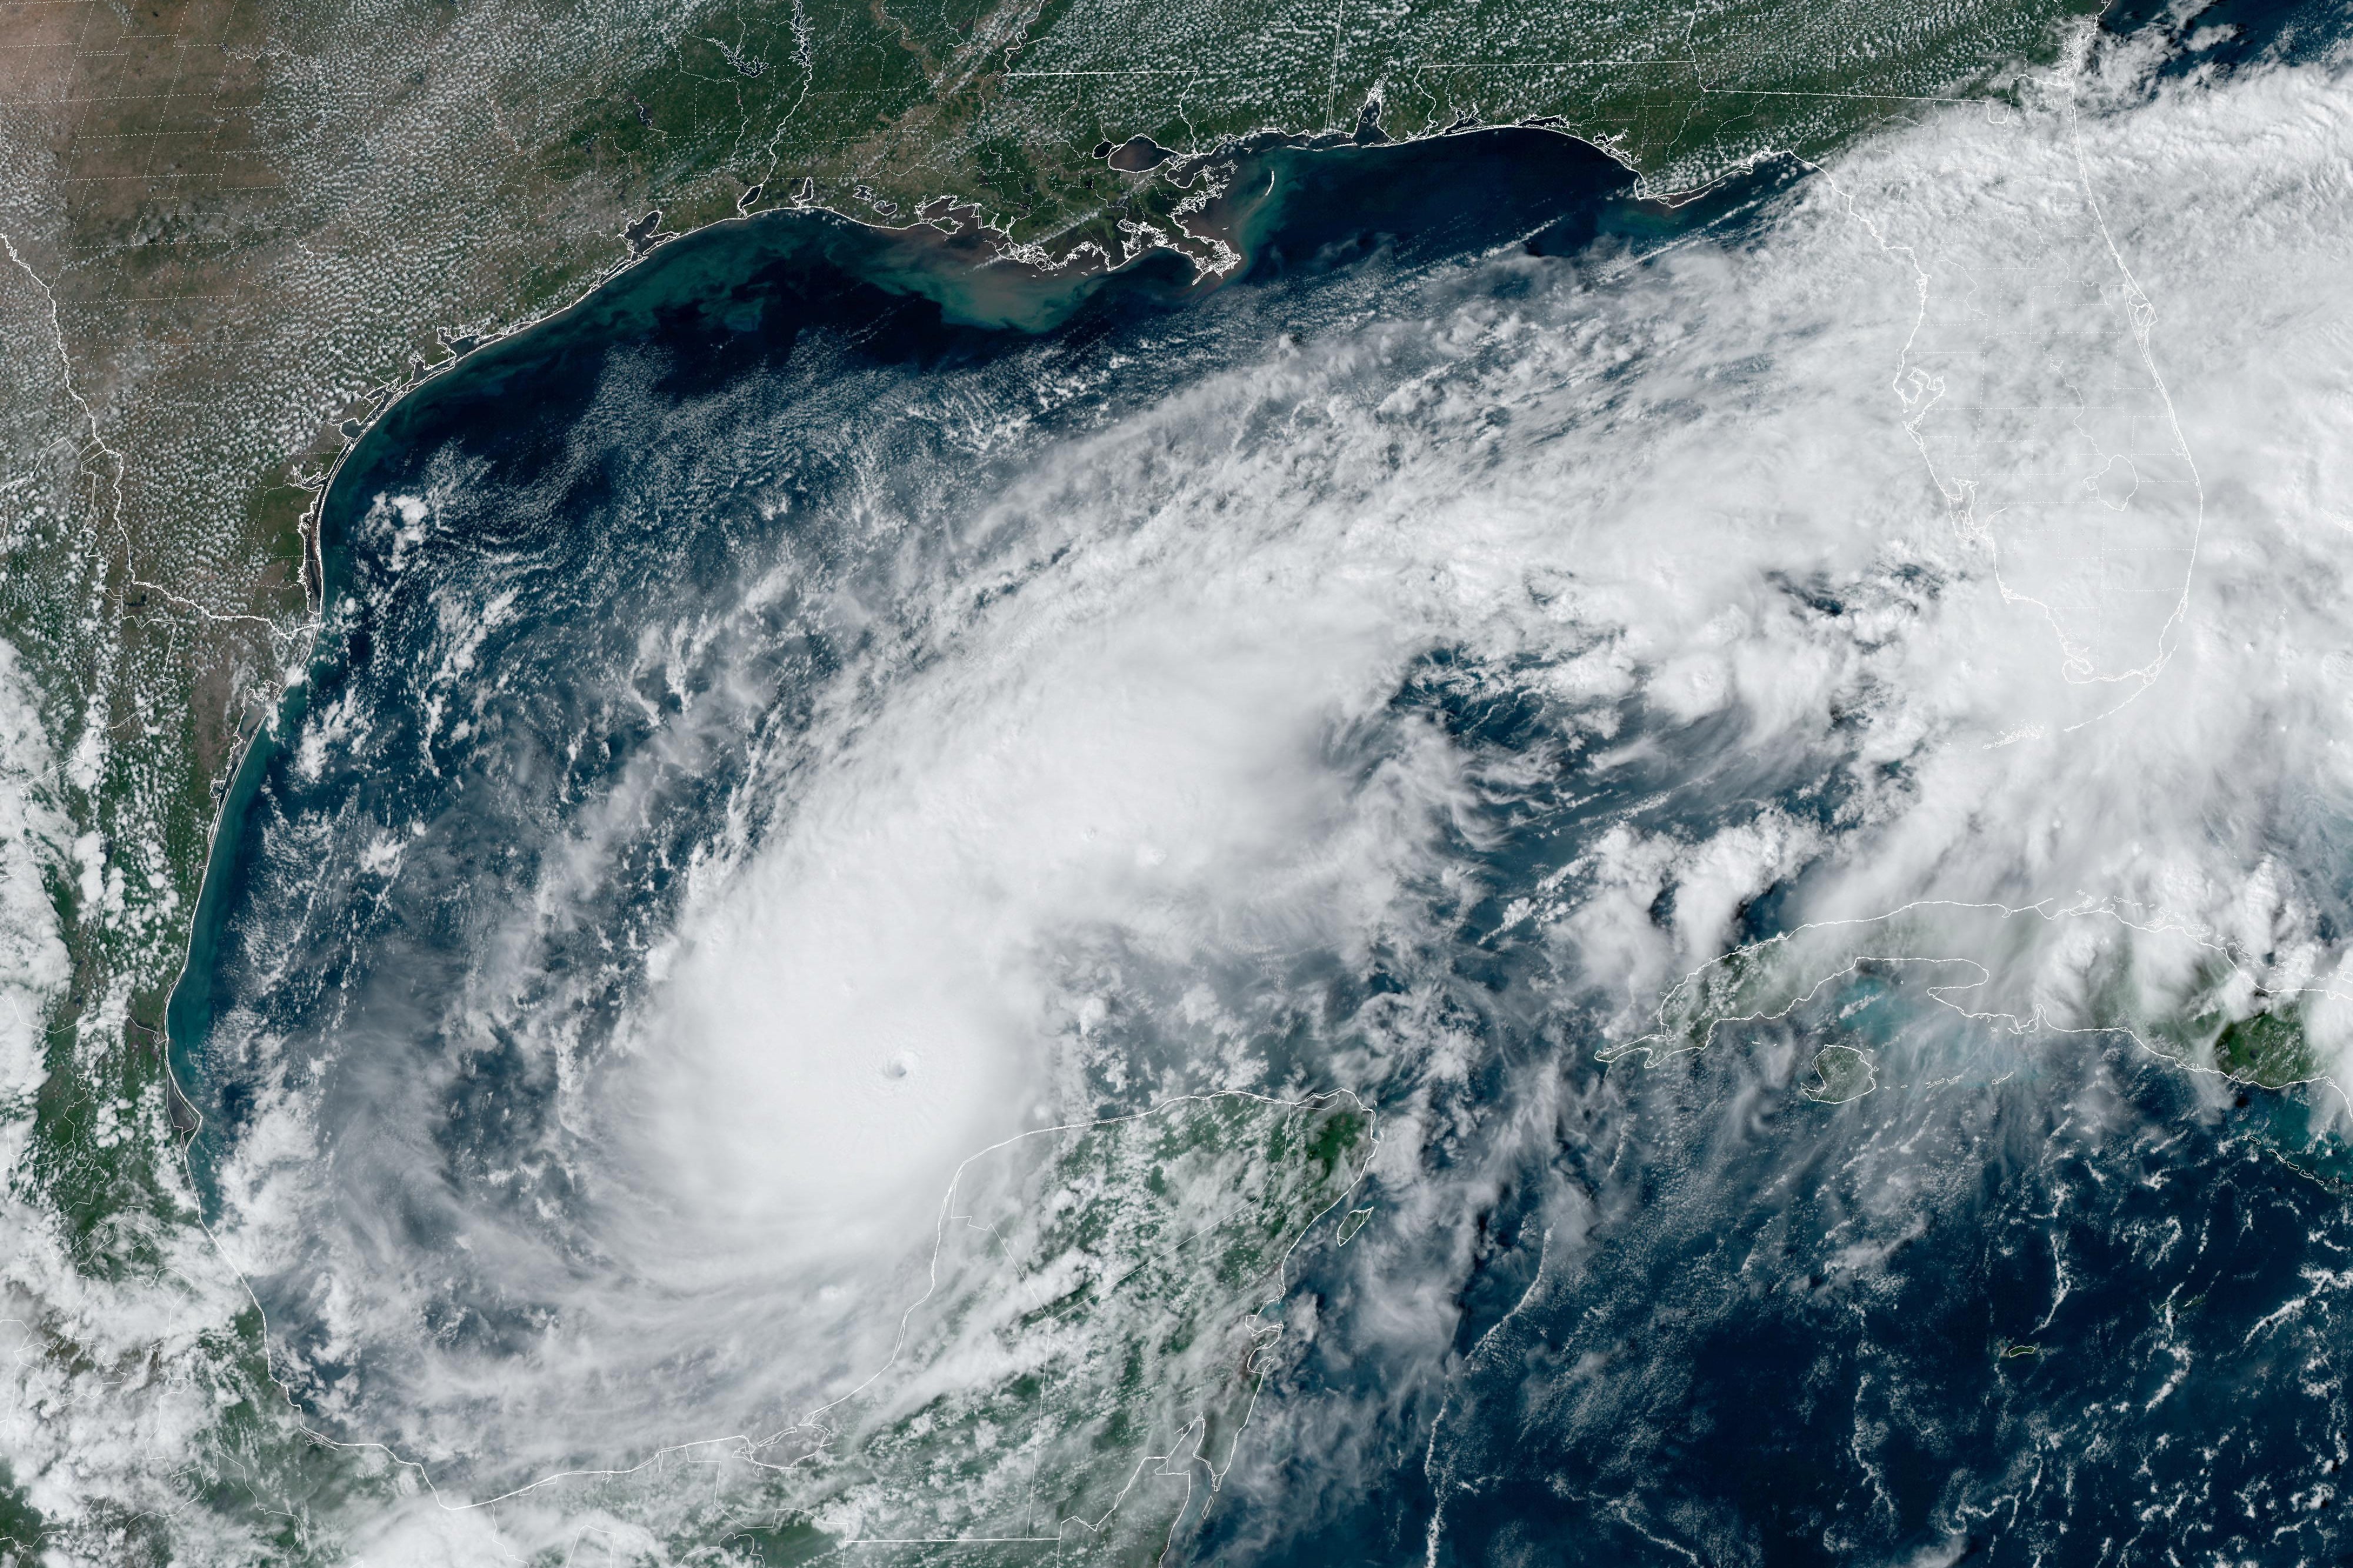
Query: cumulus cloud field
[1971,524]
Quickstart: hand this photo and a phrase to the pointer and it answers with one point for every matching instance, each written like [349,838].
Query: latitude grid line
[187,186]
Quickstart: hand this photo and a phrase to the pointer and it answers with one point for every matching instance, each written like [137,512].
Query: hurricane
[1551,878]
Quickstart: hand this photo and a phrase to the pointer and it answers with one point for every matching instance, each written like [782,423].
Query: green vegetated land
[1114,1276]
[1104,1300]
[2186,999]
[260,221]
[257,221]
[1011,107]
[235,227]
[2269,1049]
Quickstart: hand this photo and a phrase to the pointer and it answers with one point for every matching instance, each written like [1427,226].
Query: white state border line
[745,1447]
[593,285]
[1653,1046]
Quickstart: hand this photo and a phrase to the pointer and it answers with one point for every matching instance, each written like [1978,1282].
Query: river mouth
[843,807]
[684,851]
[731,301]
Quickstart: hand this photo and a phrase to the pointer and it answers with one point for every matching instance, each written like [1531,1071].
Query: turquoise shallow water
[732,300]
[597,598]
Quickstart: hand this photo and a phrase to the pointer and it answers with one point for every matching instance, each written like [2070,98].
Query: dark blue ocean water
[2054,1308]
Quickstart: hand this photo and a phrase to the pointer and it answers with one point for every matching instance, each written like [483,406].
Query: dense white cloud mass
[2188,803]
[867,1002]
[1995,486]
[33,835]
[81,1431]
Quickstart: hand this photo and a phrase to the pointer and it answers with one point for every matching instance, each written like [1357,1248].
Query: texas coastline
[1285,203]
[724,298]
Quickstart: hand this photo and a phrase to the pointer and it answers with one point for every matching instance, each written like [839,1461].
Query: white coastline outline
[390,396]
[745,1447]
